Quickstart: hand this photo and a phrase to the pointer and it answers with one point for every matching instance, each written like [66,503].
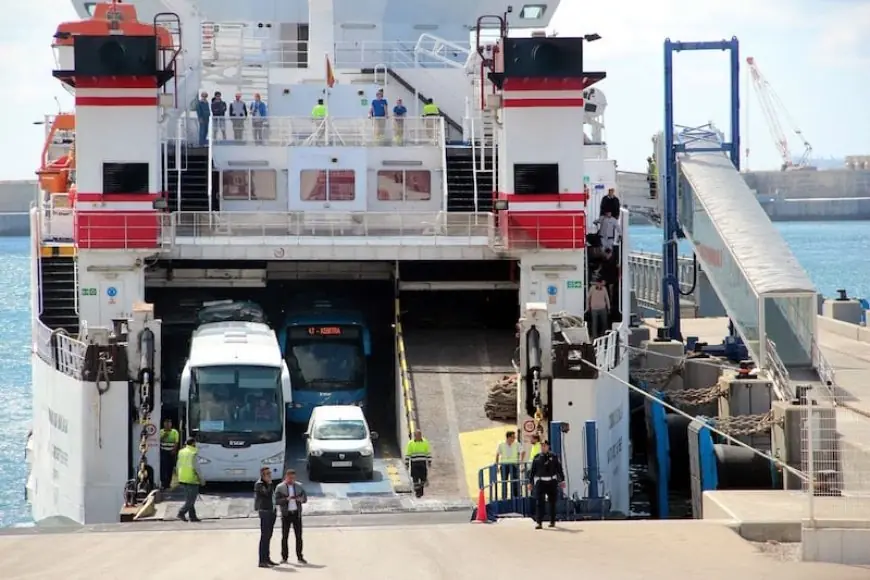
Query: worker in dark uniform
[264,505]
[545,477]
[418,454]
[169,441]
[610,205]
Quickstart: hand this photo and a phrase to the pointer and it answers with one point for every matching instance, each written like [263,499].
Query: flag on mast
[330,75]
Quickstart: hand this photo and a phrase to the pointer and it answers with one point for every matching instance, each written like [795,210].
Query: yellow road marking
[478,451]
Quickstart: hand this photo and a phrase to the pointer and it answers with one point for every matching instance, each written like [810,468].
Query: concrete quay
[398,547]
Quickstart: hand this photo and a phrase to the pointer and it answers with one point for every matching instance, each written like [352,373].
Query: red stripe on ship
[117,231]
[544,197]
[146,82]
[542,103]
[117,197]
[116,101]
[548,84]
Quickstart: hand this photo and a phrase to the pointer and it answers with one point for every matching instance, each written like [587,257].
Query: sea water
[835,255]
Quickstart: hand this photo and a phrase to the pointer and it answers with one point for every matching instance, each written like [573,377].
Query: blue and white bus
[326,350]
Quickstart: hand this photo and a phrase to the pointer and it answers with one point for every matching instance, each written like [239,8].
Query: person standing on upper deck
[203,112]
[378,113]
[238,114]
[219,112]
[258,118]
[399,114]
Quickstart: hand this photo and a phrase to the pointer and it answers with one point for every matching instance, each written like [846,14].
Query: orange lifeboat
[112,18]
[54,174]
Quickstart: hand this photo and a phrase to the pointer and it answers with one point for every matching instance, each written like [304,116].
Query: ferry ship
[469,210]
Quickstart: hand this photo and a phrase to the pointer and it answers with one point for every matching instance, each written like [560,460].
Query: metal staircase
[235,58]
[468,190]
[188,179]
[59,293]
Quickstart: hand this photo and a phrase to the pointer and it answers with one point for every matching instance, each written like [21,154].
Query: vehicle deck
[451,371]
[431,547]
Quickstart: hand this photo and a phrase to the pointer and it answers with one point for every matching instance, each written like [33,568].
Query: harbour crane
[772,107]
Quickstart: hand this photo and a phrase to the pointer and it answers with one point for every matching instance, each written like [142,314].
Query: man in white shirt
[290,495]
[609,230]
[508,456]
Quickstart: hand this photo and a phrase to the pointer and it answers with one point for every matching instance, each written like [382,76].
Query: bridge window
[250,184]
[411,185]
[91,7]
[327,184]
[533,11]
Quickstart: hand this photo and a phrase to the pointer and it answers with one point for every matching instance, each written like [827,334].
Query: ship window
[293,46]
[533,11]
[411,185]
[125,178]
[536,178]
[91,7]
[249,184]
[327,185]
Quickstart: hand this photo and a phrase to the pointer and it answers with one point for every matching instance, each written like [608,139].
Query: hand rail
[210,179]
[778,371]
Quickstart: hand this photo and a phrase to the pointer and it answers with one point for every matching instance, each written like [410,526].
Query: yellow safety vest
[534,452]
[651,170]
[186,466]
[168,439]
[318,112]
[431,110]
[418,450]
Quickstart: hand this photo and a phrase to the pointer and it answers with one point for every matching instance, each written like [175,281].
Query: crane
[772,107]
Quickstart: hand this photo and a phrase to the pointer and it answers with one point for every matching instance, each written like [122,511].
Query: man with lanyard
[431,113]
[169,440]
[258,118]
[290,495]
[545,478]
[418,454]
[378,114]
[190,478]
[508,456]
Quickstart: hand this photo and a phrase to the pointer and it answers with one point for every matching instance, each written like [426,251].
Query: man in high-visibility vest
[431,113]
[169,440]
[418,455]
[508,456]
[318,118]
[652,176]
[190,478]
[535,448]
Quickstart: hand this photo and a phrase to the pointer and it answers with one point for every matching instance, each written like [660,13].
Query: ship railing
[328,132]
[63,352]
[281,228]
[778,372]
[611,349]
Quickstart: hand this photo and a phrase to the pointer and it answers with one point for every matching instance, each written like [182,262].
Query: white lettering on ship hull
[58,421]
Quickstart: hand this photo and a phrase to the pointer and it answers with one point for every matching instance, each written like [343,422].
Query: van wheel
[313,474]
[369,475]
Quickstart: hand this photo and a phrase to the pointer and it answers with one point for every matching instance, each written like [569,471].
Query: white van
[338,441]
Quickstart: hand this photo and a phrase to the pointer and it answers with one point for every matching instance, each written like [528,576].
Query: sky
[815,53]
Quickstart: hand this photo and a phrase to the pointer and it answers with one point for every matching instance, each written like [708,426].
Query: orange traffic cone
[481,509]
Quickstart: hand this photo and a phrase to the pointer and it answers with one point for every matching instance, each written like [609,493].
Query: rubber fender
[678,433]
[740,468]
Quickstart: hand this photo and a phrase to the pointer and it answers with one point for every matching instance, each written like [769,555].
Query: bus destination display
[324,332]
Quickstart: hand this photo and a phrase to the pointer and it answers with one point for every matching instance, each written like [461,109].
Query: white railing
[63,352]
[778,372]
[57,221]
[435,49]
[611,348]
[193,228]
[646,277]
[330,131]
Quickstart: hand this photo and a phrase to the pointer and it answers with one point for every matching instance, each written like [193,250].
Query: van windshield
[340,431]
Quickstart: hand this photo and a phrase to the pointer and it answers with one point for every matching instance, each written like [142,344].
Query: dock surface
[408,548]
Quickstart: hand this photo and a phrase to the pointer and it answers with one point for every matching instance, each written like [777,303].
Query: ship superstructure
[154,208]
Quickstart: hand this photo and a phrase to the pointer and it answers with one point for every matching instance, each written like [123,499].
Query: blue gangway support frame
[592,474]
[659,421]
[670,222]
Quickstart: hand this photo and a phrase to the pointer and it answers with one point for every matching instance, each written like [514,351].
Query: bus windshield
[237,400]
[326,360]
